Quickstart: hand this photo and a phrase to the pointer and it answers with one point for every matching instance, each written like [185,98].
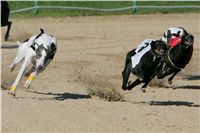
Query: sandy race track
[91,54]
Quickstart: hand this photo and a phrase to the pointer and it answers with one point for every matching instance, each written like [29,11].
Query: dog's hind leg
[148,81]
[143,89]
[172,77]
[164,71]
[15,62]
[135,83]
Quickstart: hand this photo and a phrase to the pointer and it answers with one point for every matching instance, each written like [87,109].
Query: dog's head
[188,40]
[42,54]
[159,47]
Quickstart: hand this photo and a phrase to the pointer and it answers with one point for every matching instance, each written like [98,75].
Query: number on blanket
[144,46]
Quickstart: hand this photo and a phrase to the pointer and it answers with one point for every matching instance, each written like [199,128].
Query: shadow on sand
[60,96]
[192,77]
[189,77]
[6,46]
[195,87]
[169,103]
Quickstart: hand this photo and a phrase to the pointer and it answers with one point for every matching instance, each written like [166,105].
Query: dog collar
[33,44]
[171,60]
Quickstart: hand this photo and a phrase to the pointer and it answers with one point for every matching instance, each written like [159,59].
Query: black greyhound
[176,58]
[147,67]
[5,12]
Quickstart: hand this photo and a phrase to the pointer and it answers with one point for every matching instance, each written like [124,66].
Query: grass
[62,13]
[14,5]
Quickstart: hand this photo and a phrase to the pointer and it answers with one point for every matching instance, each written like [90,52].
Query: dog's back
[23,49]
[47,40]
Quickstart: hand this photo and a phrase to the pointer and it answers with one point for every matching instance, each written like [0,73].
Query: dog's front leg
[30,79]
[22,70]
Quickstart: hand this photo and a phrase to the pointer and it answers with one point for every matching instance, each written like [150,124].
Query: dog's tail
[19,43]
[41,32]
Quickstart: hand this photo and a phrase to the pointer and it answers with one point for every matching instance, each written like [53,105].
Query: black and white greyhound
[180,51]
[144,62]
[40,50]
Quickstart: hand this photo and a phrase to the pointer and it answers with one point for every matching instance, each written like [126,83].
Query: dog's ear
[192,37]
[19,43]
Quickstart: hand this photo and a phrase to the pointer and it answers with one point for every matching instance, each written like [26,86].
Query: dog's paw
[129,82]
[12,91]
[12,67]
[124,88]
[143,90]
[27,83]
[170,82]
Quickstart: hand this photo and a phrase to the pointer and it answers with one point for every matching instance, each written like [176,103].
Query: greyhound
[38,50]
[144,62]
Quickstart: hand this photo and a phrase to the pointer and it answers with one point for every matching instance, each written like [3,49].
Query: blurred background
[85,8]
[57,9]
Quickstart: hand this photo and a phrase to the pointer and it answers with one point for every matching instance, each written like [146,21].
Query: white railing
[103,10]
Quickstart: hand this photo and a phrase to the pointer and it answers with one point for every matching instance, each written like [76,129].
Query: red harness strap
[175,41]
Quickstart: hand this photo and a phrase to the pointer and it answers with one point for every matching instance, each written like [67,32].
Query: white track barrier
[103,10]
